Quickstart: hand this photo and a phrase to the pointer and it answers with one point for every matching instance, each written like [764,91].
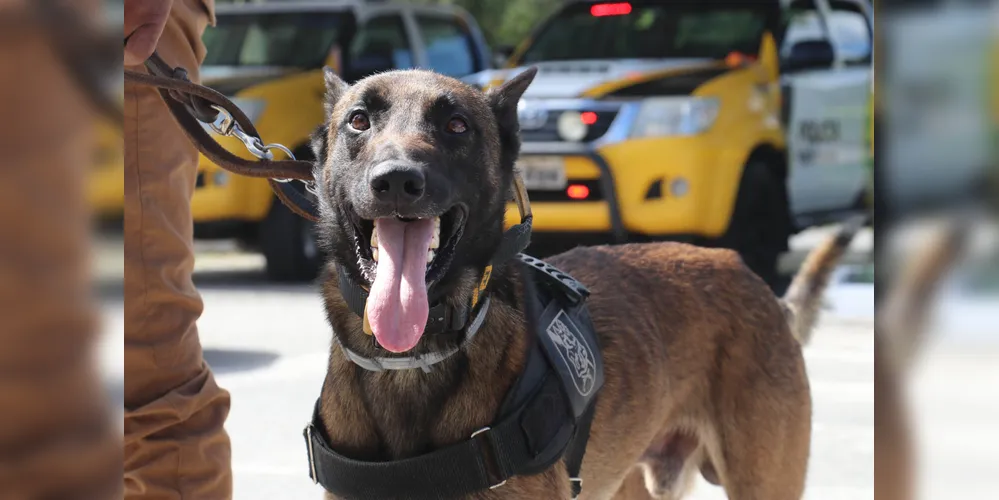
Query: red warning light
[610,9]
[577,191]
[588,117]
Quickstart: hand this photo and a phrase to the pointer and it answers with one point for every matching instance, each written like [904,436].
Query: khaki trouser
[57,439]
[175,445]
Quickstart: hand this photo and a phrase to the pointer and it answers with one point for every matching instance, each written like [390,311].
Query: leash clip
[226,126]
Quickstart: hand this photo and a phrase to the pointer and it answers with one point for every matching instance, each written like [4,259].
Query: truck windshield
[299,40]
[633,30]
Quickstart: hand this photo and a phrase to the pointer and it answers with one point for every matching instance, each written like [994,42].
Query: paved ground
[269,345]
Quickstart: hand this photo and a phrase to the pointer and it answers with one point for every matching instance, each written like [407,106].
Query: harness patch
[570,344]
[574,352]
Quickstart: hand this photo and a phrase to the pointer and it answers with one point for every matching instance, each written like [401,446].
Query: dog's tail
[804,296]
[902,321]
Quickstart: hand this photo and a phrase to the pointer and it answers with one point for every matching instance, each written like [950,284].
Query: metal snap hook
[223,121]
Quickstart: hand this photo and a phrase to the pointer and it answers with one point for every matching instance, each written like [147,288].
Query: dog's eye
[457,126]
[359,121]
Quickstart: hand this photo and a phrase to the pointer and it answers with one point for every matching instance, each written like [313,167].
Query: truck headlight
[665,116]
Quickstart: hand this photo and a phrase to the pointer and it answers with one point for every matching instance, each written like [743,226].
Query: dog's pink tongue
[397,305]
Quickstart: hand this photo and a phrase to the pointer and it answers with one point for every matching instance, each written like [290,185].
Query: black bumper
[608,187]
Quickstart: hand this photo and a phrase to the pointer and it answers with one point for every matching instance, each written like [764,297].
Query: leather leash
[193,105]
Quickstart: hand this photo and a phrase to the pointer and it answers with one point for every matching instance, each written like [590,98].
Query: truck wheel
[760,223]
[289,245]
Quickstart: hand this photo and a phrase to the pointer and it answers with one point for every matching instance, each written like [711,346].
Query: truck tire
[761,223]
[289,245]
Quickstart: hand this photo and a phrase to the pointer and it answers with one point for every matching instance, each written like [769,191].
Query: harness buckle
[312,456]
[476,433]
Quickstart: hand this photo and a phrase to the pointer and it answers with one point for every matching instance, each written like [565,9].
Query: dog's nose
[396,181]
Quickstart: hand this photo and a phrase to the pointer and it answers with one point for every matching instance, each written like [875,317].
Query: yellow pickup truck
[722,122]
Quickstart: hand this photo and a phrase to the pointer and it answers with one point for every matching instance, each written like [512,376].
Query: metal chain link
[226,126]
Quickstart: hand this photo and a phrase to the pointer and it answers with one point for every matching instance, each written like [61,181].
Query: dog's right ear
[504,99]
[317,142]
[335,87]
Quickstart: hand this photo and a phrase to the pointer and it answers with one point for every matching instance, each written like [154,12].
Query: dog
[702,363]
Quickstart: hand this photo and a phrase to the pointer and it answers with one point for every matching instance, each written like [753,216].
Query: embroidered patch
[574,351]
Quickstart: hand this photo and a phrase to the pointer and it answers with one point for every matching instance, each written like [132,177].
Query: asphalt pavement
[269,344]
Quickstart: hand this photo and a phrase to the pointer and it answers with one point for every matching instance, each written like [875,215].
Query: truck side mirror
[809,54]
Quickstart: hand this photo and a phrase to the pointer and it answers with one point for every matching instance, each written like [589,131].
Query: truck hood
[566,79]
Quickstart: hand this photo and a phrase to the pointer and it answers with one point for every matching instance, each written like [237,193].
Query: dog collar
[424,361]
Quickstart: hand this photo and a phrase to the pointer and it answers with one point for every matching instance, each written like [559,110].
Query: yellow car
[268,57]
[720,121]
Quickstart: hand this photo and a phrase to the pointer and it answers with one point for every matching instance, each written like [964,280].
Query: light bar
[610,9]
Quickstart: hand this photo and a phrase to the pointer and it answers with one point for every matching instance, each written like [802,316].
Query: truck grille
[549,131]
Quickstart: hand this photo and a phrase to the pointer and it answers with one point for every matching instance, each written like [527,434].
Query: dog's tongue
[397,306]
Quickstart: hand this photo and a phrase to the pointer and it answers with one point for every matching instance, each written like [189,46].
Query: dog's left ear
[335,88]
[504,99]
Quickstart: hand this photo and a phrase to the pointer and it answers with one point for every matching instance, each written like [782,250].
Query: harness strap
[545,417]
[526,442]
[581,378]
[577,449]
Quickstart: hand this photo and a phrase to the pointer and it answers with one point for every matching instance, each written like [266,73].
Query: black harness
[544,418]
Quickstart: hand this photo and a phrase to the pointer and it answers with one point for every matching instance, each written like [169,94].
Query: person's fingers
[143,25]
[142,43]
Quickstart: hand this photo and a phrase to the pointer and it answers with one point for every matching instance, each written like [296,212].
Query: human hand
[144,21]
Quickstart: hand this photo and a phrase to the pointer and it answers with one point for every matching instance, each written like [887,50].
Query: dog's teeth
[436,241]
[374,253]
[430,256]
[374,239]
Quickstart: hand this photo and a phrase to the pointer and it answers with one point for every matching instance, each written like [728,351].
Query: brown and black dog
[703,366]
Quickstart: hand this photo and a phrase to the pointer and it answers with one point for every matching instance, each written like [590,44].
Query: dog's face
[414,173]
